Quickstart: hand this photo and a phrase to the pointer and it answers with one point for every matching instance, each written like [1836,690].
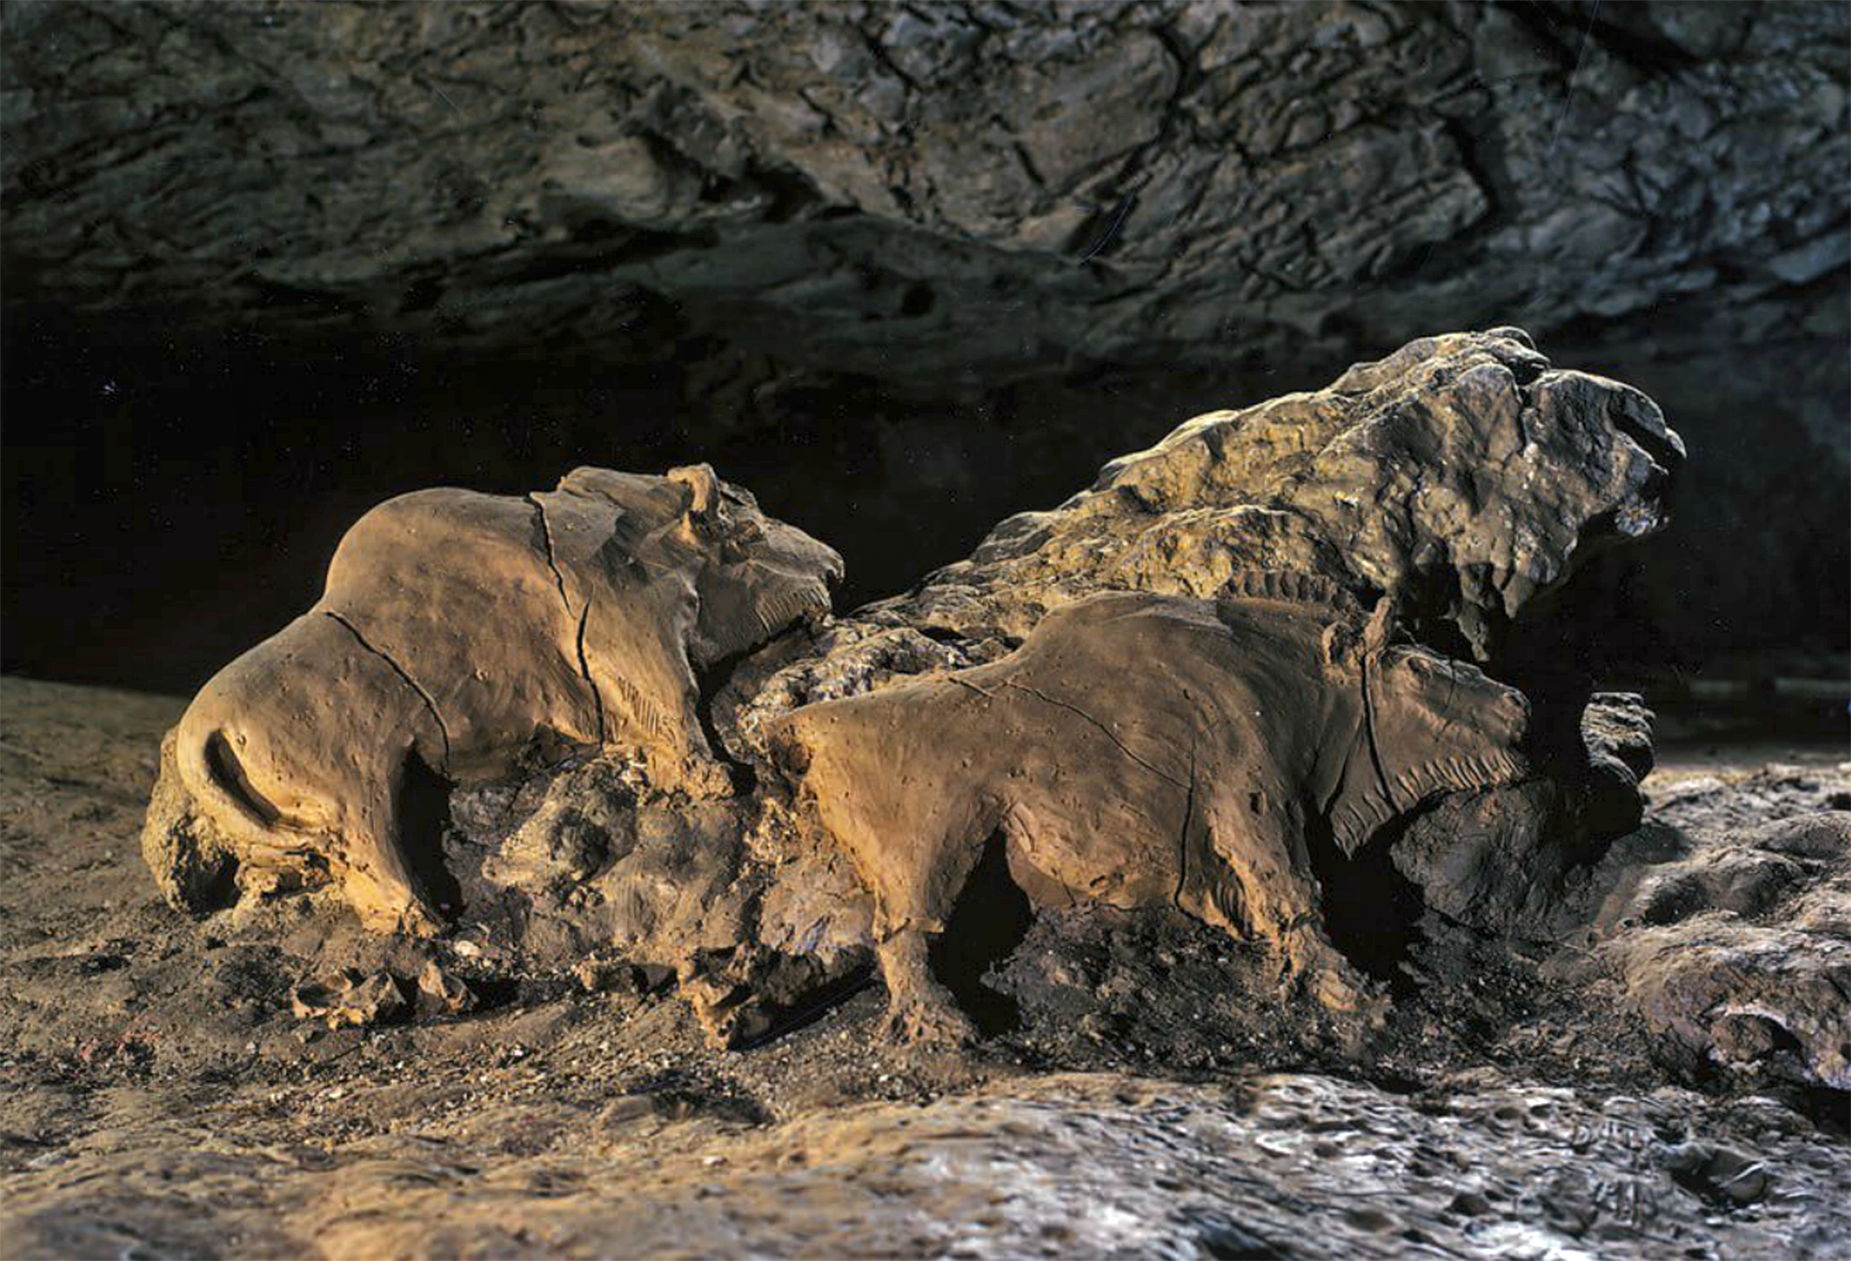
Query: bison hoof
[1345,991]
[421,922]
[933,1025]
[412,919]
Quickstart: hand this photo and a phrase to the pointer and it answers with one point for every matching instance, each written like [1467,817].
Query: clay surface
[461,635]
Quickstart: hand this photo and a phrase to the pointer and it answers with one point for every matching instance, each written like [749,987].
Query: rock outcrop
[1463,475]
[1726,925]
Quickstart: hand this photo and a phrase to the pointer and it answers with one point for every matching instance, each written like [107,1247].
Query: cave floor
[158,1098]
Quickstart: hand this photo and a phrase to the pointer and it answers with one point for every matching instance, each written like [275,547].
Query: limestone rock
[593,865]
[1490,857]
[1462,476]
[1501,858]
[604,864]
[1145,181]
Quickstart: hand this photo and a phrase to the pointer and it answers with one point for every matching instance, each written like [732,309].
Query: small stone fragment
[440,994]
[350,998]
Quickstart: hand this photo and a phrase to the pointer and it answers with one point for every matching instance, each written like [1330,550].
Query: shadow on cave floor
[1372,912]
[423,818]
[991,920]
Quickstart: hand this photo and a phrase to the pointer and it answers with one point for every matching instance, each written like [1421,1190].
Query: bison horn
[1381,626]
[703,487]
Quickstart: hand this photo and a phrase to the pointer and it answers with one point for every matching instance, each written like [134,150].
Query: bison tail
[210,768]
[184,850]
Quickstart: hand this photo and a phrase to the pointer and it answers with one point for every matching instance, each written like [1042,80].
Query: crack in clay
[967,684]
[546,546]
[584,668]
[1182,840]
[1108,732]
[1375,749]
[545,528]
[431,705]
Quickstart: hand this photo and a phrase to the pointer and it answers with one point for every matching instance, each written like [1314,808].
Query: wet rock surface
[161,1097]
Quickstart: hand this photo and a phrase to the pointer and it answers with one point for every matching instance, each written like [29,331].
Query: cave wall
[902,268]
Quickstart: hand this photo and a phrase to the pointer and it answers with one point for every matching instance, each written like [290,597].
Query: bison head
[1429,725]
[756,576]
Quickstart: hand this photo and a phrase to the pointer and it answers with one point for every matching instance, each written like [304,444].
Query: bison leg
[1261,882]
[919,1009]
[913,898]
[379,882]
[913,842]
[1317,966]
[386,902]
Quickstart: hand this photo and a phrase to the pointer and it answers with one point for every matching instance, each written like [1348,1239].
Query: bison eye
[715,523]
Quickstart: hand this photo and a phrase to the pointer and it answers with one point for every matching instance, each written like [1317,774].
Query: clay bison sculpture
[460,633]
[1141,749]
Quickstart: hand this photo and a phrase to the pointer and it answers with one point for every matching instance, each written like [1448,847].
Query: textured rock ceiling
[916,191]
[788,224]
